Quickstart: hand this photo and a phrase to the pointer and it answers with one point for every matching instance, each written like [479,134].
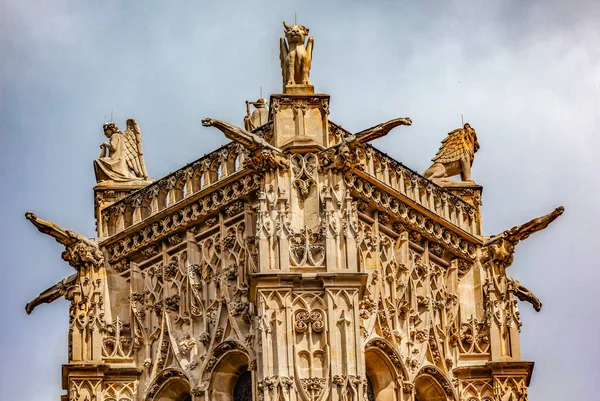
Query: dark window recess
[243,387]
[370,392]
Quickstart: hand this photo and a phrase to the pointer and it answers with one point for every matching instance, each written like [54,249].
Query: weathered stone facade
[296,263]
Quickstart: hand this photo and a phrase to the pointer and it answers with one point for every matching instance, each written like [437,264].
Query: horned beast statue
[295,57]
[455,155]
[80,252]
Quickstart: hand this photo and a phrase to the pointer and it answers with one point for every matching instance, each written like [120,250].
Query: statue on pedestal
[295,57]
[258,117]
[455,156]
[121,159]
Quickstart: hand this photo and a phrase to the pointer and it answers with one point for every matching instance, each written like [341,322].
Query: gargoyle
[80,251]
[377,131]
[342,156]
[53,293]
[455,156]
[251,141]
[524,294]
[264,156]
[339,157]
[500,250]
[267,160]
[522,232]
[295,58]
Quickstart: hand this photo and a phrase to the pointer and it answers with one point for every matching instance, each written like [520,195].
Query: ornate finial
[296,59]
[121,159]
[455,156]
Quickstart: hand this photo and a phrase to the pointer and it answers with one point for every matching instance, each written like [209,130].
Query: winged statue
[295,57]
[455,156]
[121,158]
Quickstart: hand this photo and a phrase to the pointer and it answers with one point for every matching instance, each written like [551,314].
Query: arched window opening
[243,387]
[428,389]
[380,377]
[174,390]
[231,379]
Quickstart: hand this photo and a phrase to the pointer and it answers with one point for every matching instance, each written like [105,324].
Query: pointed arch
[169,385]
[384,370]
[432,385]
[230,377]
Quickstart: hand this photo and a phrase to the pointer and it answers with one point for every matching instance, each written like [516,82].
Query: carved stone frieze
[182,218]
[464,247]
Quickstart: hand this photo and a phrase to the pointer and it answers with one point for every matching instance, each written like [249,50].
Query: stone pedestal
[469,191]
[108,193]
[299,89]
[300,122]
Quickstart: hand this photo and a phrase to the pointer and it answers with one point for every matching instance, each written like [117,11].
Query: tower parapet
[296,263]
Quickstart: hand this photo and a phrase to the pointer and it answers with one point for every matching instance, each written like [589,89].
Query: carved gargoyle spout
[58,290]
[525,295]
[499,251]
[263,157]
[80,252]
[523,231]
[455,156]
[378,130]
[249,140]
[342,156]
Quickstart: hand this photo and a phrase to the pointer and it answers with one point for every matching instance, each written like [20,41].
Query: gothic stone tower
[296,263]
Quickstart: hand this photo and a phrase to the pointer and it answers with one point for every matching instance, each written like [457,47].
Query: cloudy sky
[525,75]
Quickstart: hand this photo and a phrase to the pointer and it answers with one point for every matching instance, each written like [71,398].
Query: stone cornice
[391,162]
[182,215]
[402,208]
[166,180]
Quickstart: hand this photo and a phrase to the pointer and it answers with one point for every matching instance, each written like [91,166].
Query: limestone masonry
[296,263]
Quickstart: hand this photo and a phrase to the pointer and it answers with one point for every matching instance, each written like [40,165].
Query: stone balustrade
[175,187]
[420,190]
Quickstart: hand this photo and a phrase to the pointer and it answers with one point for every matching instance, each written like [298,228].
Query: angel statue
[121,159]
[455,156]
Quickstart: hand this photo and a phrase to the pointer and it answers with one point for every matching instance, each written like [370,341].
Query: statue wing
[133,149]
[283,52]
[454,147]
